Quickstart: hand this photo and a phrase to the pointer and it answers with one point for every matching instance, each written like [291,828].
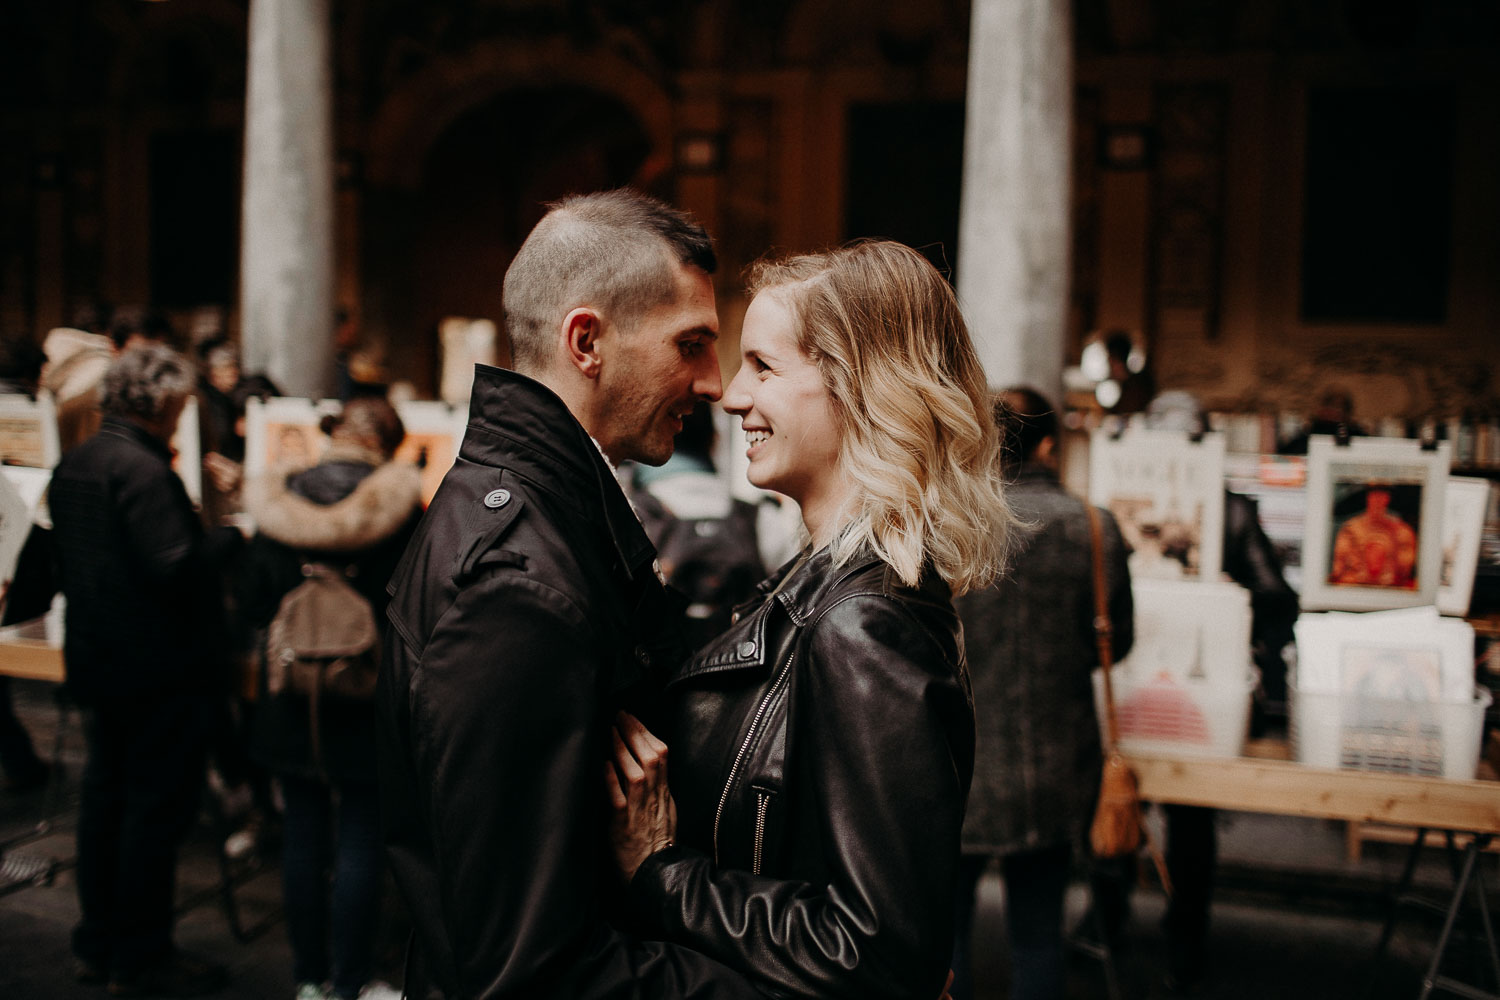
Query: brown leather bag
[1118,825]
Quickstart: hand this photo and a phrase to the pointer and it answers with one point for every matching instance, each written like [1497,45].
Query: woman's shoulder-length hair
[916,431]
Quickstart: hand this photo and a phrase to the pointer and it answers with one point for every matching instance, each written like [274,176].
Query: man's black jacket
[525,612]
[141,577]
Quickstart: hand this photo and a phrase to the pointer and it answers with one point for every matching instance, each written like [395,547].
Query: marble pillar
[1013,238]
[287,226]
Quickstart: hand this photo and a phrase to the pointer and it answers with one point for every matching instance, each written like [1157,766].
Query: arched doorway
[484,183]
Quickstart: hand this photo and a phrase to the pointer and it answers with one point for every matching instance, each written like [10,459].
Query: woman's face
[786,410]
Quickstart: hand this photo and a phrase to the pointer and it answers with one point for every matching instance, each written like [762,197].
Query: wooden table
[1264,781]
[1260,782]
[31,659]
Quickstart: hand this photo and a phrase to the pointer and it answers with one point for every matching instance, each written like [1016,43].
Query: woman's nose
[736,396]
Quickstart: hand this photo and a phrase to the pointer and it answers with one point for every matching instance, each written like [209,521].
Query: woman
[822,747]
[355,511]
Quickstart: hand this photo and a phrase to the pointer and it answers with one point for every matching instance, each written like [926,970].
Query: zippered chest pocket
[763,800]
[759,765]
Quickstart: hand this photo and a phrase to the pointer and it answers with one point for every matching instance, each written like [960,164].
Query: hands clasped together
[644,817]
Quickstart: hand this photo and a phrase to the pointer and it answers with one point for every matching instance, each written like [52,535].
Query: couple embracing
[820,750]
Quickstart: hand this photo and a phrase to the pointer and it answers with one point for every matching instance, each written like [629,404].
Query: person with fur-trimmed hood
[356,510]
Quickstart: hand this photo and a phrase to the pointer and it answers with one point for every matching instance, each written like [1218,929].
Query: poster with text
[1167,493]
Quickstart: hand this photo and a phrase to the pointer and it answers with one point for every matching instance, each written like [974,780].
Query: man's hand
[224,472]
[645,817]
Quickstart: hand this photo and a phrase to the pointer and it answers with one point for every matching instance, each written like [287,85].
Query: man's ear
[1046,452]
[581,330]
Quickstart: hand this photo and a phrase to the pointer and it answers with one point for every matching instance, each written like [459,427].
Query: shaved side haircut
[614,251]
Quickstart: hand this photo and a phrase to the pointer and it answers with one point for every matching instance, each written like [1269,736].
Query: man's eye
[691,348]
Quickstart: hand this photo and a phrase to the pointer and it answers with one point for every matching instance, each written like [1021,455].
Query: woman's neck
[825,513]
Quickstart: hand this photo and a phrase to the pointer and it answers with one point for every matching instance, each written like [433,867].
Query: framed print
[28,431]
[282,431]
[1167,493]
[187,457]
[15,525]
[1373,536]
[434,430]
[1464,505]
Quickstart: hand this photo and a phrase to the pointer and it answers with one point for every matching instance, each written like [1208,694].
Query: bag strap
[1103,630]
[1103,638]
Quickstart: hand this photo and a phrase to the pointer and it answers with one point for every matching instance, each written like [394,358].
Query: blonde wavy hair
[916,431]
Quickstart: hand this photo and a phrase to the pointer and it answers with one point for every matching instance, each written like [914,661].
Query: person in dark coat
[1032,652]
[822,746]
[144,650]
[527,611]
[354,510]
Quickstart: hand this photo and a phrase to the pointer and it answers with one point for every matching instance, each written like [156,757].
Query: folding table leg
[1433,980]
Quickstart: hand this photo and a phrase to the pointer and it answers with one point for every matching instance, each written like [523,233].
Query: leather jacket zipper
[739,758]
[762,802]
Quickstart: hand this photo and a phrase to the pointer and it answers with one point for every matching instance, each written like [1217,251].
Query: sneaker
[378,990]
[311,991]
[177,975]
[242,843]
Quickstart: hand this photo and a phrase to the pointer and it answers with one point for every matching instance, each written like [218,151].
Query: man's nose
[709,384]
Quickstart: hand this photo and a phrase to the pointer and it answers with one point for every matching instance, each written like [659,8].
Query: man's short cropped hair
[1026,418]
[611,250]
[144,381]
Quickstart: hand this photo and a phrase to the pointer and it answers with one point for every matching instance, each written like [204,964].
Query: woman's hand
[645,817]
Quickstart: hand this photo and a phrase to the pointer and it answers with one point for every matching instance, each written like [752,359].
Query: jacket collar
[132,431]
[1035,472]
[519,423]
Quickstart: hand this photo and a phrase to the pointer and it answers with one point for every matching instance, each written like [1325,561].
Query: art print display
[28,431]
[1167,494]
[15,525]
[1387,691]
[1373,535]
[1466,501]
[434,430]
[282,432]
[187,457]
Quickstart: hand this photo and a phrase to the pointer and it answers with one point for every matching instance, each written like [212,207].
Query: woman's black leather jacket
[820,757]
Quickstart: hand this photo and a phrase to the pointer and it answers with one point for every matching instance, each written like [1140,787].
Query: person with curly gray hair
[144,648]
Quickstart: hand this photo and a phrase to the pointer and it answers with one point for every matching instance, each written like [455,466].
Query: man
[527,611]
[1031,649]
[144,651]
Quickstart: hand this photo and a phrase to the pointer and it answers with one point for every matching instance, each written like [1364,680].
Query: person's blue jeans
[331,829]
[1036,883]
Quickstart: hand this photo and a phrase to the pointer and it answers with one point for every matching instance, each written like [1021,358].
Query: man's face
[1376,501]
[655,370]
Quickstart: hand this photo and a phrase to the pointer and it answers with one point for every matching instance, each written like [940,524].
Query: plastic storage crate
[1428,738]
[1178,717]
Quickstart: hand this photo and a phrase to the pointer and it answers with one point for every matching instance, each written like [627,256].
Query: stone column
[1013,236]
[287,235]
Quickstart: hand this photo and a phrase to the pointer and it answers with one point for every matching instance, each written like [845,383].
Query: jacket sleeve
[885,736]
[1117,577]
[506,752]
[163,531]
